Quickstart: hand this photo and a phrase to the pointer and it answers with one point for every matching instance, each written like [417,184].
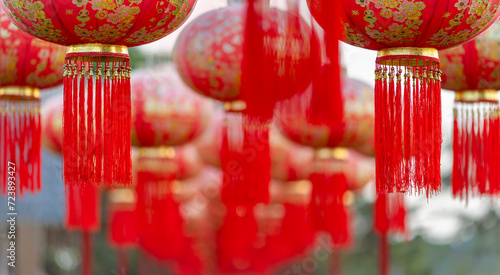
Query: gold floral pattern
[413,23]
[125,22]
[42,62]
[474,66]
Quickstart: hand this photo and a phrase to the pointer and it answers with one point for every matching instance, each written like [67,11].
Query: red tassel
[98,124]
[88,122]
[390,218]
[158,218]
[475,144]
[90,165]
[236,241]
[3,147]
[245,149]
[83,208]
[20,142]
[408,162]
[327,208]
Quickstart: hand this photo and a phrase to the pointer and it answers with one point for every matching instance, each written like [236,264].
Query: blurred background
[446,235]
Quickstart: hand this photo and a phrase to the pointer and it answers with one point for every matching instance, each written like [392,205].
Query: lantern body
[209,52]
[473,66]
[165,111]
[27,61]
[438,24]
[358,122]
[128,23]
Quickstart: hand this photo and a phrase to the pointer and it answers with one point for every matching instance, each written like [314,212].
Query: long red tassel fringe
[408,127]
[476,131]
[157,214]
[20,147]
[94,116]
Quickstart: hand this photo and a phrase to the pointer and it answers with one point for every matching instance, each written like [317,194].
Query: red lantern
[27,64]
[249,62]
[165,114]
[329,173]
[165,111]
[98,34]
[358,120]
[472,71]
[407,35]
[209,53]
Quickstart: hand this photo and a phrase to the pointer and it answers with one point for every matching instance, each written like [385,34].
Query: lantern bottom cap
[477,96]
[20,92]
[96,48]
[408,56]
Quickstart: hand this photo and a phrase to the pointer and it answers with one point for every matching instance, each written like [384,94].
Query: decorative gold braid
[235,106]
[20,93]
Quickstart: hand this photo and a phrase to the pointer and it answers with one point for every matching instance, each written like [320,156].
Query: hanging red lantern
[98,34]
[27,65]
[358,120]
[472,71]
[165,114]
[408,35]
[215,55]
[165,111]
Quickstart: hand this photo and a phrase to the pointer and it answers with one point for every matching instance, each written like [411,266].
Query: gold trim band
[477,96]
[235,106]
[383,56]
[20,92]
[122,196]
[97,48]
[157,152]
[339,153]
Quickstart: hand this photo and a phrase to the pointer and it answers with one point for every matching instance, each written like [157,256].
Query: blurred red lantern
[165,111]
[27,64]
[250,62]
[209,53]
[358,121]
[98,34]
[472,71]
[52,133]
[408,35]
[329,177]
